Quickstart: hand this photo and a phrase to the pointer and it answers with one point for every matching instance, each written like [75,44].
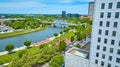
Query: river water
[18,41]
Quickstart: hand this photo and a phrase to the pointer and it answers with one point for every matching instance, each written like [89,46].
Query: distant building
[5,29]
[91,9]
[1,22]
[69,15]
[63,13]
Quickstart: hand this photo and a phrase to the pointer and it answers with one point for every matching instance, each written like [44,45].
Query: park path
[32,45]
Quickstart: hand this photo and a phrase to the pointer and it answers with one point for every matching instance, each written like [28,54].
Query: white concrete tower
[105,43]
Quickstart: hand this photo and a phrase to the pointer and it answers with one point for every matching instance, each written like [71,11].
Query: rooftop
[86,47]
[80,53]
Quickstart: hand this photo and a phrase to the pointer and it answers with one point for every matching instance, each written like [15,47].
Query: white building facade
[105,42]
[76,58]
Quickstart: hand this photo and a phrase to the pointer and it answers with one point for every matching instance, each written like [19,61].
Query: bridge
[63,24]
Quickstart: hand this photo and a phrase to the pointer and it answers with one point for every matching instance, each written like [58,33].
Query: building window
[107,24]
[102,63]
[97,54]
[103,56]
[114,33]
[103,6]
[106,32]
[118,52]
[100,32]
[118,4]
[109,65]
[110,5]
[104,48]
[115,24]
[101,23]
[119,43]
[99,39]
[111,50]
[105,41]
[109,15]
[117,15]
[116,66]
[98,47]
[118,60]
[112,42]
[110,58]
[101,15]
[96,61]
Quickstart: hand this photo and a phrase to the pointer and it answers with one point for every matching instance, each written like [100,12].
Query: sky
[43,6]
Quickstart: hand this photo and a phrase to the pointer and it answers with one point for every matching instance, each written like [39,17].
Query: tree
[9,47]
[62,46]
[27,43]
[61,32]
[72,38]
[77,45]
[55,34]
[56,61]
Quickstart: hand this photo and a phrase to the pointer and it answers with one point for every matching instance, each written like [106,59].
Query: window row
[106,41]
[110,5]
[109,65]
[109,15]
[107,32]
[115,24]
[110,50]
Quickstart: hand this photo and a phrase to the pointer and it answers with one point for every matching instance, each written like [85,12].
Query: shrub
[55,34]
[27,43]
[9,47]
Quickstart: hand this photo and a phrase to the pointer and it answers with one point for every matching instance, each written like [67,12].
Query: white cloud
[19,5]
[66,1]
[85,0]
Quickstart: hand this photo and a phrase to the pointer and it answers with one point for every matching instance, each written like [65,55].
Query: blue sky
[44,6]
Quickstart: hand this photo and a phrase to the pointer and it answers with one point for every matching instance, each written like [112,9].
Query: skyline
[44,6]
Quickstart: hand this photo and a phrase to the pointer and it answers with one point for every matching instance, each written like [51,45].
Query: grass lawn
[20,32]
[9,57]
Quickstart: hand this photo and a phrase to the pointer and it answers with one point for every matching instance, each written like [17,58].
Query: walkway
[24,47]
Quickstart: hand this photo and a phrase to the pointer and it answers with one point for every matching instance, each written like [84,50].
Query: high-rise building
[105,43]
[63,13]
[91,9]
[73,15]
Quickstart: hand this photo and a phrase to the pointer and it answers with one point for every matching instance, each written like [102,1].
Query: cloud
[66,1]
[20,5]
[69,1]
[44,6]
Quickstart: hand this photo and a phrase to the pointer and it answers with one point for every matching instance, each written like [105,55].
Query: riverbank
[32,45]
[20,32]
[9,57]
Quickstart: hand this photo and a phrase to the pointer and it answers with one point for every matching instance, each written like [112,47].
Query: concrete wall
[75,61]
[91,9]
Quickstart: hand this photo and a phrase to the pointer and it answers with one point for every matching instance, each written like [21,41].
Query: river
[18,41]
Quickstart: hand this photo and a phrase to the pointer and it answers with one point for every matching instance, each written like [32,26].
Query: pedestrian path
[32,45]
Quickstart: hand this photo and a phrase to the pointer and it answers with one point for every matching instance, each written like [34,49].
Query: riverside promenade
[32,45]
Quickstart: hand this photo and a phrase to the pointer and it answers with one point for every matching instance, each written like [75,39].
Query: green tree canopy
[72,38]
[27,43]
[62,46]
[55,34]
[9,47]
[56,61]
